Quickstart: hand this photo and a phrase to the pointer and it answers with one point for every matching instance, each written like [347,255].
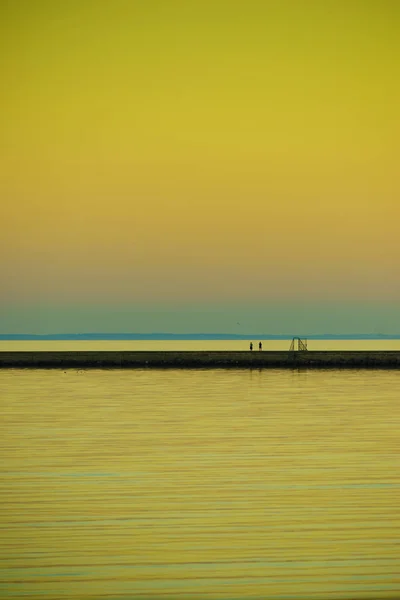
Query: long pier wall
[201,359]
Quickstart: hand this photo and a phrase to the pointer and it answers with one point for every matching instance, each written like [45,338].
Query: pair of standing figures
[259,346]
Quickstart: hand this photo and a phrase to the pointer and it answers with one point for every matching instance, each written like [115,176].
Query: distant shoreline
[188,336]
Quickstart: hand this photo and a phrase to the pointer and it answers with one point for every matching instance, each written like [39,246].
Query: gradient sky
[188,165]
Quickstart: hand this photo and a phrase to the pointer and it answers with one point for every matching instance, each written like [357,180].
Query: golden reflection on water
[178,345]
[200,484]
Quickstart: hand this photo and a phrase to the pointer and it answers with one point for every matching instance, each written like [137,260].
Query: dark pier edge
[202,359]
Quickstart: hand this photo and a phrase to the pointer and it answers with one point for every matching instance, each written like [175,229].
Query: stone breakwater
[201,359]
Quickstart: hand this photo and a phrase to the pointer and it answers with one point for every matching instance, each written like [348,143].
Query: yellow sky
[199,150]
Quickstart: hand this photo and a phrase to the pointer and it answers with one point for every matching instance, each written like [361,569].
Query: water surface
[199,484]
[180,345]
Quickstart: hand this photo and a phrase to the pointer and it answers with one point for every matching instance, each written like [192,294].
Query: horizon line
[193,335]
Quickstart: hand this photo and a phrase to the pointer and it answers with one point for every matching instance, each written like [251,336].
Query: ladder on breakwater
[301,345]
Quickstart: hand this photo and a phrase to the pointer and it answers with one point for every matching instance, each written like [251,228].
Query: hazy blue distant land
[195,336]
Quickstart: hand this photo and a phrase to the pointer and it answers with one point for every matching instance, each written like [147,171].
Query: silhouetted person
[251,345]
[260,346]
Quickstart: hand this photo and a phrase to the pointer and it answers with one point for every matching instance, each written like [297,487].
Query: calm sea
[35,346]
[199,484]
